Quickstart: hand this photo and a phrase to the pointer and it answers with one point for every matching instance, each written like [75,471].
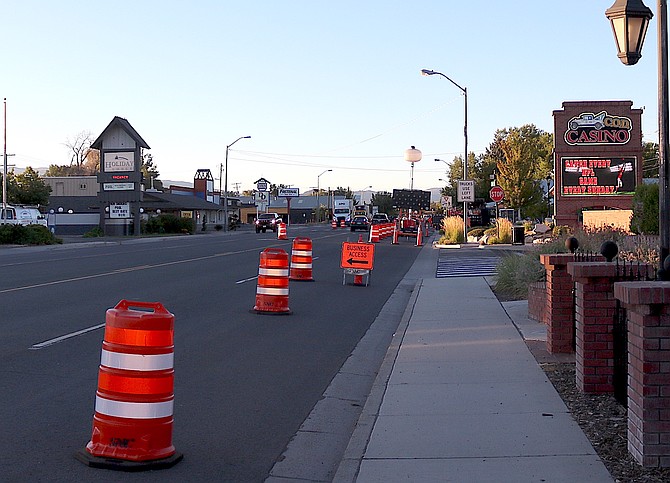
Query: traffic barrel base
[132,424]
[301,260]
[272,288]
[128,466]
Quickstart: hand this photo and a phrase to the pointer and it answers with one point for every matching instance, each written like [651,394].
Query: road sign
[357,255]
[466,190]
[497,194]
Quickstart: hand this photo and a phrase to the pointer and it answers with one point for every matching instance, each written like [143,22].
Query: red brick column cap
[556,259]
[642,293]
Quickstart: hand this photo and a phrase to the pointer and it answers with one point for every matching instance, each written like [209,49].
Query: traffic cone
[301,260]
[395,234]
[281,231]
[272,289]
[132,425]
[419,235]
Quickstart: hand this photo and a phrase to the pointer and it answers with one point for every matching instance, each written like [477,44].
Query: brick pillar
[648,306]
[559,302]
[594,317]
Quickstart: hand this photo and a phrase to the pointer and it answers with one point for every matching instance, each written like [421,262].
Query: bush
[453,230]
[218,227]
[94,233]
[645,210]
[27,235]
[169,224]
[476,232]
[501,234]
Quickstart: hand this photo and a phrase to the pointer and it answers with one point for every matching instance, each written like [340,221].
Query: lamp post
[412,155]
[465,134]
[360,198]
[225,192]
[630,19]
[318,195]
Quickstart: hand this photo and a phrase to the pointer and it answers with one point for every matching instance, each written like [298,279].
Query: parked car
[359,223]
[267,221]
[378,218]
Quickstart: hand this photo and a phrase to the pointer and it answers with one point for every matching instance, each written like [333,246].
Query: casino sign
[593,129]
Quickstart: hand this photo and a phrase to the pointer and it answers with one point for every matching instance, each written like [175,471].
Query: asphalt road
[244,382]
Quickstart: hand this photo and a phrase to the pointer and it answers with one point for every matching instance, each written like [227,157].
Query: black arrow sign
[351,261]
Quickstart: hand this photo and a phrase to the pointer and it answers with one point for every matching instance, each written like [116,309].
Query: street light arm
[241,137]
[432,72]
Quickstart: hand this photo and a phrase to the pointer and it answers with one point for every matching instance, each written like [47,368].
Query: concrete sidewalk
[464,400]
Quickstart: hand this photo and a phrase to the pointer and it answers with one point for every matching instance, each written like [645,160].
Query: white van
[21,215]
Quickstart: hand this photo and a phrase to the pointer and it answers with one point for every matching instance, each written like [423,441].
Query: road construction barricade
[301,260]
[374,234]
[334,224]
[132,424]
[272,288]
[388,230]
[281,231]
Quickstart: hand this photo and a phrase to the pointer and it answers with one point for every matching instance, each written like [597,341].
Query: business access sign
[357,255]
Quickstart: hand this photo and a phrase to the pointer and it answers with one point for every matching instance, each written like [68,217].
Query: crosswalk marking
[466,266]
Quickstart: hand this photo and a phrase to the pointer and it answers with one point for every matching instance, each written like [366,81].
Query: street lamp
[412,155]
[360,198]
[465,134]
[225,193]
[630,19]
[318,195]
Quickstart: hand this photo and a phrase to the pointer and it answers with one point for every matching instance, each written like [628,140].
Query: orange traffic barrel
[281,231]
[334,223]
[132,424]
[272,288]
[374,233]
[301,260]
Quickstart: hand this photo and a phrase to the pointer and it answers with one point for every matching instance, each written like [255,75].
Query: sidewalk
[464,400]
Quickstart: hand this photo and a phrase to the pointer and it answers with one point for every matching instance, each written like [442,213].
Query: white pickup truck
[21,215]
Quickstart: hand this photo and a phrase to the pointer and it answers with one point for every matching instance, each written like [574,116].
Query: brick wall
[537,301]
[558,314]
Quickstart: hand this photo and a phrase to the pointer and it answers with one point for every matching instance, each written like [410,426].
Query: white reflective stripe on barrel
[271,291]
[131,410]
[301,265]
[302,253]
[137,362]
[273,272]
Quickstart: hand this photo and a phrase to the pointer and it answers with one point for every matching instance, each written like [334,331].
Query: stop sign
[497,194]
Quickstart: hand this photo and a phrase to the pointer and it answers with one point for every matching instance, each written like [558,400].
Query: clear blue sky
[317,84]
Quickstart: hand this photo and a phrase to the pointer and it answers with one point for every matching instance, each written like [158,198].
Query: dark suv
[267,220]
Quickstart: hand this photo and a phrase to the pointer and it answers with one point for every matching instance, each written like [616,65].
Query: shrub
[476,232]
[645,210]
[453,230]
[500,234]
[168,223]
[94,233]
[218,227]
[27,235]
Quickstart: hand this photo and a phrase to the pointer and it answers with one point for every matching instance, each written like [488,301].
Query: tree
[80,149]
[645,210]
[149,172]
[346,192]
[523,157]
[383,201]
[650,157]
[26,188]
